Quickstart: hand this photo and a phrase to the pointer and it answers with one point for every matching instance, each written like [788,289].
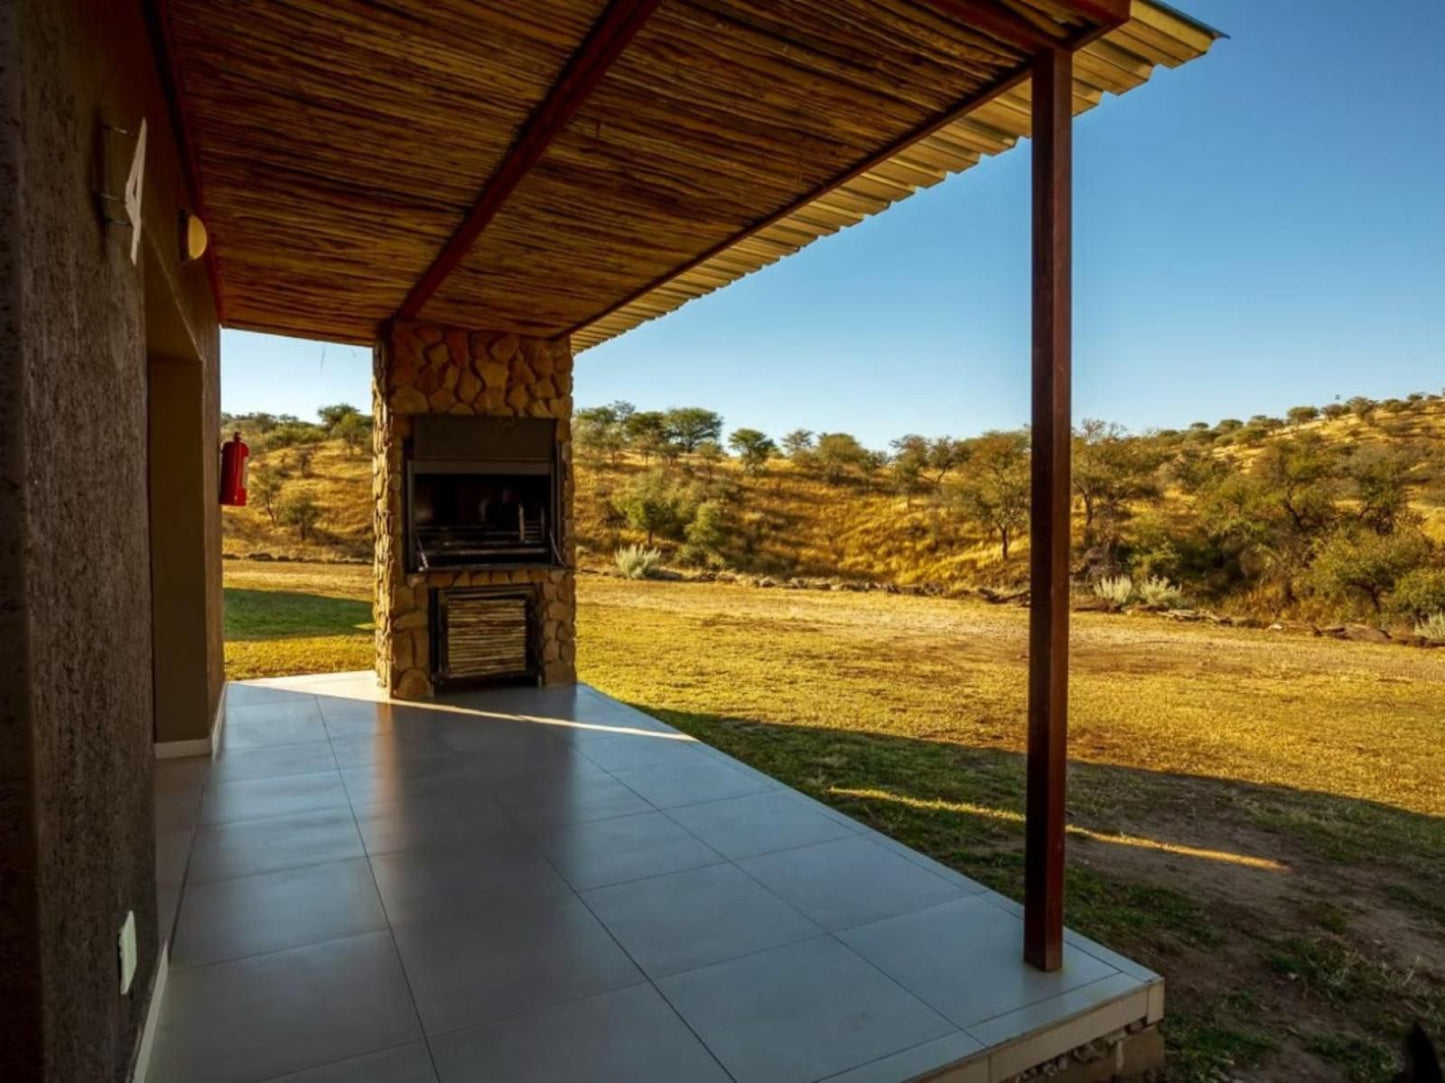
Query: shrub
[1420,593]
[1158,592]
[302,512]
[1115,589]
[1433,627]
[638,562]
[656,506]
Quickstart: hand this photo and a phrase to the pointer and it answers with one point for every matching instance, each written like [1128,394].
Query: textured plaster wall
[76,845]
[422,368]
[182,507]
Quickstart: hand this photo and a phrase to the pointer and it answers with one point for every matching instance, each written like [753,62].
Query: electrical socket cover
[127,952]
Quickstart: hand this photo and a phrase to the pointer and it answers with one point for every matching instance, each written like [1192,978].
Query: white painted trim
[153,1015]
[199,746]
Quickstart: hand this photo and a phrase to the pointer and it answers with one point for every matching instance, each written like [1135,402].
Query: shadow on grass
[273,614]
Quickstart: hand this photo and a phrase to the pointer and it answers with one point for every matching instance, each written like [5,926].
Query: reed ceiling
[339,144]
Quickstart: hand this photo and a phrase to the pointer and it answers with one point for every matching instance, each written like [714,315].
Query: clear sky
[1259,229]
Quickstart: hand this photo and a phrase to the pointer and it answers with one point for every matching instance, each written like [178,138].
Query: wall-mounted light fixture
[193,237]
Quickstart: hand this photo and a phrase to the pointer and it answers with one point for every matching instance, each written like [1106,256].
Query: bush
[1420,593]
[1433,627]
[655,505]
[302,512]
[638,562]
[1158,592]
[1115,589]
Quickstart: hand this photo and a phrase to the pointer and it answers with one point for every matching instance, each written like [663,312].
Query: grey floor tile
[388,747]
[405,778]
[625,848]
[445,883]
[182,773]
[274,761]
[248,847]
[642,750]
[178,810]
[962,958]
[923,861]
[242,694]
[630,1036]
[249,915]
[570,793]
[690,919]
[924,1061]
[173,850]
[800,1013]
[257,729]
[447,818]
[849,881]
[410,1063]
[509,959]
[282,795]
[256,1018]
[355,717]
[761,823]
[669,785]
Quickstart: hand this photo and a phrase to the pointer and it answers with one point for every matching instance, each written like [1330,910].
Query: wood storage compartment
[484,634]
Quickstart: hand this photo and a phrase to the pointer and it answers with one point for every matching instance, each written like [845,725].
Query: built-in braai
[481,492]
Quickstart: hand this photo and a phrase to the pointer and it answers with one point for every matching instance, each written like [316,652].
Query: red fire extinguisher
[233,471]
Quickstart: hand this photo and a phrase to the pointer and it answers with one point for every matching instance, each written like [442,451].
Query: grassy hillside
[790,518]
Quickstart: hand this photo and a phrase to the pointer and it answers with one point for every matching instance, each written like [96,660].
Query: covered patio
[397,876]
[546,884]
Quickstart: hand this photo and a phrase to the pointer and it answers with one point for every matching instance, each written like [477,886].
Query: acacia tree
[798,446]
[837,453]
[1113,473]
[333,415]
[354,432]
[266,484]
[995,490]
[930,461]
[654,505]
[753,448]
[598,430]
[1362,562]
[689,426]
[646,432]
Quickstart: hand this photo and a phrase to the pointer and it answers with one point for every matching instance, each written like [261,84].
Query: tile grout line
[390,928]
[646,977]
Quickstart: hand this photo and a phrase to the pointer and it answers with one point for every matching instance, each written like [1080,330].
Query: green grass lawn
[296,618]
[1256,816]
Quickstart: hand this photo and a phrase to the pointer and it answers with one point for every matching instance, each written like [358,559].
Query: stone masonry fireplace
[472,477]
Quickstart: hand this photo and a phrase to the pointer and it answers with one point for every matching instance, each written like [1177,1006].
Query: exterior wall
[76,726]
[427,368]
[184,512]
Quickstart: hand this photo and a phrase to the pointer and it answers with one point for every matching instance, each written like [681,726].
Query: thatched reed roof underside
[338,144]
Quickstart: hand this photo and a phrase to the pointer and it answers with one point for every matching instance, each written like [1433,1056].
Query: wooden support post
[1052,150]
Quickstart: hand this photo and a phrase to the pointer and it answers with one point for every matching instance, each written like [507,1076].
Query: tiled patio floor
[547,885]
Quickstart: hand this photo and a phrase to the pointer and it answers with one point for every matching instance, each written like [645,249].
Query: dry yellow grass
[1256,815]
[1261,707]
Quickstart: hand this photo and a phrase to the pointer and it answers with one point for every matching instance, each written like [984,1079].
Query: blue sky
[1262,228]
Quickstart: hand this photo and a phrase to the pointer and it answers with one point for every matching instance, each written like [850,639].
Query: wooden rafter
[1048,710]
[617,26]
[158,24]
[998,22]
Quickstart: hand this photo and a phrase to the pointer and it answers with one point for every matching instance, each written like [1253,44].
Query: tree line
[1282,515]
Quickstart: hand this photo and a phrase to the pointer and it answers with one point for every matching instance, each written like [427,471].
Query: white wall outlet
[127,952]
